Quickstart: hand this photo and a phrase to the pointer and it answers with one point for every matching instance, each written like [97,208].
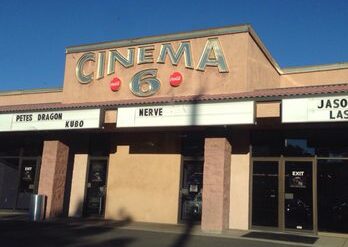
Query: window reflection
[304,143]
[298,147]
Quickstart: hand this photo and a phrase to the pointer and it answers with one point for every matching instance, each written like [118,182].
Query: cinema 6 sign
[145,82]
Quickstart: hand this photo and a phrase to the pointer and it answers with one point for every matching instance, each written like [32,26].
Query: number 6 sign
[145,83]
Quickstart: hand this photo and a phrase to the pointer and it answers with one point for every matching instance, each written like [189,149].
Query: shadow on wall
[80,212]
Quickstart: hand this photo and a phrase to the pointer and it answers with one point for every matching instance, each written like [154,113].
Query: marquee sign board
[315,109]
[50,120]
[222,113]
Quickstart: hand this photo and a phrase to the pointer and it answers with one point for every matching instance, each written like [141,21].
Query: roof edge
[265,51]
[314,68]
[31,91]
[241,28]
[294,69]
[159,38]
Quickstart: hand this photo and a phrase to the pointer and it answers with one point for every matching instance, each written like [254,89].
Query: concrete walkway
[323,241]
[16,230]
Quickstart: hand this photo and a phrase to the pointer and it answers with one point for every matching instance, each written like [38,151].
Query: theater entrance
[96,187]
[191,190]
[283,194]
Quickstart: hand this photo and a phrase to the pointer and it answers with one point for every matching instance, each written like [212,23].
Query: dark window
[99,145]
[333,195]
[267,143]
[297,147]
[300,143]
[192,145]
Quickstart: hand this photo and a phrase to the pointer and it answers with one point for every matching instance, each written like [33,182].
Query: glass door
[9,169]
[265,193]
[27,181]
[191,190]
[96,187]
[298,195]
[283,194]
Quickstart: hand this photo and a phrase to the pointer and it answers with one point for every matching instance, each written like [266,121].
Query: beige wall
[22,98]
[249,69]
[335,76]
[240,184]
[194,82]
[261,73]
[78,185]
[143,186]
[267,109]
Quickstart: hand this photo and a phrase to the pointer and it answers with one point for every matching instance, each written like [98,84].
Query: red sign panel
[175,79]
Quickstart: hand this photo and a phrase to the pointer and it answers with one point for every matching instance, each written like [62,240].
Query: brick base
[216,184]
[53,176]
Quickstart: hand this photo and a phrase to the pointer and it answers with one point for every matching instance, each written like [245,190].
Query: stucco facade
[193,144]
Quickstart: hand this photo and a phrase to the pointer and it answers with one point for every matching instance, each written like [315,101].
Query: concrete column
[78,185]
[240,181]
[216,184]
[53,175]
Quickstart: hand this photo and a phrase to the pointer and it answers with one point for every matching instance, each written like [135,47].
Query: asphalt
[16,230]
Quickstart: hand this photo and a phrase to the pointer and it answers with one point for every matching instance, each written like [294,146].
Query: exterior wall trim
[205,33]
[314,68]
[257,96]
[31,91]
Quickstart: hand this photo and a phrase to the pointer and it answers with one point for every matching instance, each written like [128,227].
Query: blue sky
[34,33]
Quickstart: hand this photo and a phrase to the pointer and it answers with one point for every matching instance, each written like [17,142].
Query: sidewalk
[16,230]
[322,241]
[195,230]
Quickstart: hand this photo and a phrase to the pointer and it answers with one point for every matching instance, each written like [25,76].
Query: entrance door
[298,197]
[27,182]
[96,187]
[265,193]
[283,194]
[8,182]
[191,190]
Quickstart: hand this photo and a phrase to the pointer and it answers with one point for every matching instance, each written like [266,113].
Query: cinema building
[200,126]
